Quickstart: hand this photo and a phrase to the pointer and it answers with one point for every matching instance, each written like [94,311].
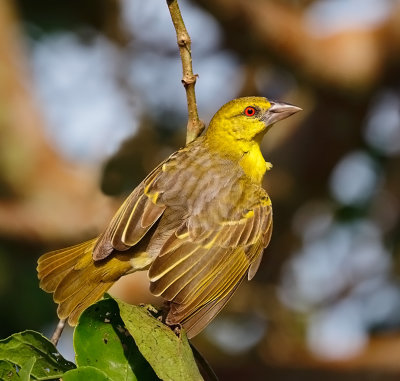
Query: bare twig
[58,331]
[195,126]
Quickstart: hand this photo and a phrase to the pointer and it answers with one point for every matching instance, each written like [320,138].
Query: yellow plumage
[199,223]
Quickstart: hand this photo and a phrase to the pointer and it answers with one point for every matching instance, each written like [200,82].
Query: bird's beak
[279,111]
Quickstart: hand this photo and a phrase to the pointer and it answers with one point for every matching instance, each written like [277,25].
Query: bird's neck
[246,153]
[253,163]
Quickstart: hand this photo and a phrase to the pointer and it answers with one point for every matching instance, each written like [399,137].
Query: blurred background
[91,101]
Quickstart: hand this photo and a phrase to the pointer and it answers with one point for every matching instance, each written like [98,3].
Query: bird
[198,224]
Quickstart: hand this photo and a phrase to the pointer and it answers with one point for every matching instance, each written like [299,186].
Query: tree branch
[58,331]
[195,126]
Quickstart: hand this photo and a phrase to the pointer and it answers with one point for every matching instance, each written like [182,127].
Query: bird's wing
[206,257]
[132,221]
[144,206]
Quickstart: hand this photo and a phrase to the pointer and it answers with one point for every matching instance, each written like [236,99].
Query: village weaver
[199,223]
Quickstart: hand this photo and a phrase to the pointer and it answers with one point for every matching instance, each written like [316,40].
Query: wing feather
[213,288]
[135,217]
[181,291]
[151,214]
[198,269]
[184,270]
[169,261]
[199,320]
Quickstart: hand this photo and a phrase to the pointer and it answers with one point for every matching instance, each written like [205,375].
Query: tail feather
[50,282]
[73,281]
[52,265]
[76,280]
[78,302]
[61,256]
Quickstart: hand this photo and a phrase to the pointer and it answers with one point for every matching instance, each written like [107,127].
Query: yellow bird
[198,223]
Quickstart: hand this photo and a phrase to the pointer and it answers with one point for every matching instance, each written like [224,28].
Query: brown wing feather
[199,320]
[143,207]
[267,229]
[213,289]
[132,221]
[181,292]
[198,271]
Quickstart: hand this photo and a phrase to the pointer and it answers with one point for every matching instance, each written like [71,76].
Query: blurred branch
[58,331]
[195,126]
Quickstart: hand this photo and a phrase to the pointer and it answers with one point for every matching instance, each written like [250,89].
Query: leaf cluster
[112,341]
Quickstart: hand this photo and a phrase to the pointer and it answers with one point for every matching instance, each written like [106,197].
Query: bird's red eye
[249,111]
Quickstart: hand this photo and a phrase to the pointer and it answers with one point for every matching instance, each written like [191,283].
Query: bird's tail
[76,280]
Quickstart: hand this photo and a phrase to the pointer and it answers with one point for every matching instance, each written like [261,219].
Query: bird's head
[237,128]
[248,118]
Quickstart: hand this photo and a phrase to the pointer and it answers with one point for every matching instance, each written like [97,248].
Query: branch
[195,126]
[58,331]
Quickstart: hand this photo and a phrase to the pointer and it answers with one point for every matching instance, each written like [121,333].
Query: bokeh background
[91,100]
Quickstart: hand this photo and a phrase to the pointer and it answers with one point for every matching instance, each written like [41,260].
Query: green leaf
[89,373]
[8,371]
[25,372]
[169,355]
[21,348]
[101,341]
